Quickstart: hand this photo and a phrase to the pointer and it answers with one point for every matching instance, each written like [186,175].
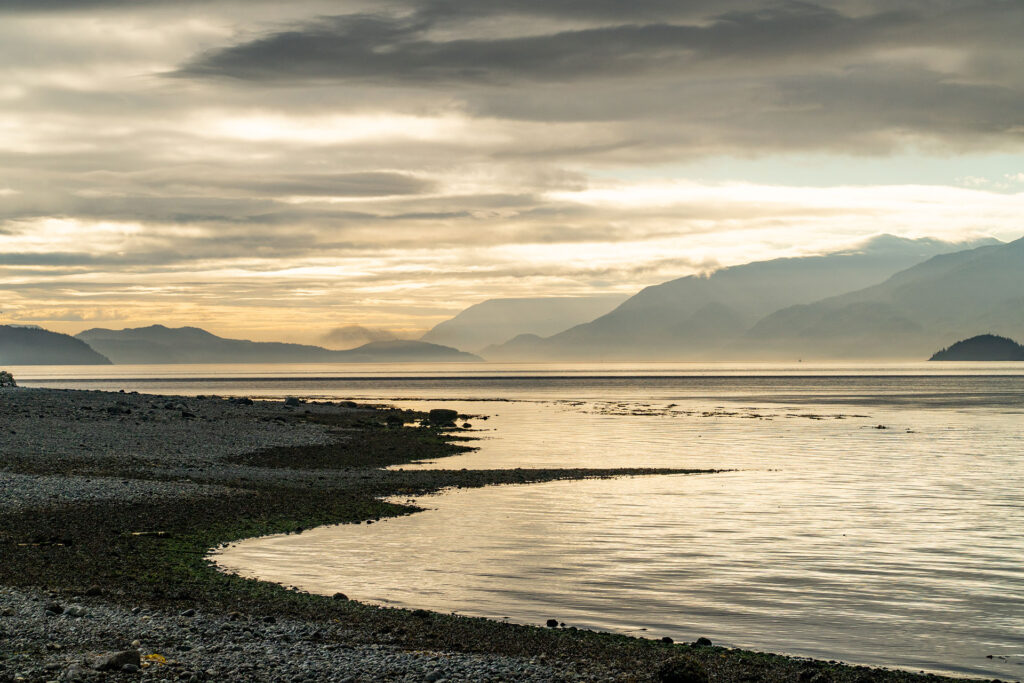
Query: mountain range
[718,316]
[497,320]
[890,298]
[160,344]
[946,298]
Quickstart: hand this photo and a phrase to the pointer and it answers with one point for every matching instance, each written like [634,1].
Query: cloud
[258,166]
[710,80]
[351,336]
[400,49]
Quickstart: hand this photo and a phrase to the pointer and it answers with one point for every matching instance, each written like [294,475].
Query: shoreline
[109,502]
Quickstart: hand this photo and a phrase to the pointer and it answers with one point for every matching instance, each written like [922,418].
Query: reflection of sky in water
[834,539]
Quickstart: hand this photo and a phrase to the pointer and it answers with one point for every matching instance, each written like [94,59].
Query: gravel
[19,491]
[230,647]
[166,448]
[146,430]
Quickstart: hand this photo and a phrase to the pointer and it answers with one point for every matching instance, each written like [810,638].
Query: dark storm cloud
[62,5]
[705,78]
[910,98]
[43,6]
[400,49]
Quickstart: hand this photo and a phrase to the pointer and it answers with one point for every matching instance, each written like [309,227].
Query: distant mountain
[497,320]
[351,336]
[405,350]
[706,317]
[36,346]
[947,297]
[984,347]
[159,344]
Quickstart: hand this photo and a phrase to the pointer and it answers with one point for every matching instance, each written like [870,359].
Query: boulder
[441,416]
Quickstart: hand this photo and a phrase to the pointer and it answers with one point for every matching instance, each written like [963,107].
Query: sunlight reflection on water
[835,539]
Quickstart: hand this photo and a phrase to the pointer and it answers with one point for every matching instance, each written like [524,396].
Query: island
[984,347]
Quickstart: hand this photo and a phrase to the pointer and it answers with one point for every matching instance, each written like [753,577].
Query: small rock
[75,611]
[702,642]
[666,639]
[552,623]
[75,672]
[339,596]
[682,670]
[292,401]
[116,661]
[54,608]
[188,613]
[136,644]
[234,616]
[130,669]
[93,591]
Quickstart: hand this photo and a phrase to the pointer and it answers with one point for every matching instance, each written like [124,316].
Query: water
[831,538]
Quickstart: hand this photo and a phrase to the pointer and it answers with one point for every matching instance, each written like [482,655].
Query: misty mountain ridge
[951,296]
[160,344]
[707,317]
[32,345]
[352,336]
[496,320]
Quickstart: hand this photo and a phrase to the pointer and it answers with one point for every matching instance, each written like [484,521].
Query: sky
[277,171]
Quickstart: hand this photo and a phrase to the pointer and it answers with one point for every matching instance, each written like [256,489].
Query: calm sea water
[832,537]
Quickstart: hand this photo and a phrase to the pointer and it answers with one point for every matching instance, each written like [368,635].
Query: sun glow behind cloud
[669,229]
[332,130]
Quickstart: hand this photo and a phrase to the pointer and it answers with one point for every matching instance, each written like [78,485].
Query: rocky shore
[109,503]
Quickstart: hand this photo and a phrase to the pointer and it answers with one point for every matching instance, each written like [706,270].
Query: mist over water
[831,538]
